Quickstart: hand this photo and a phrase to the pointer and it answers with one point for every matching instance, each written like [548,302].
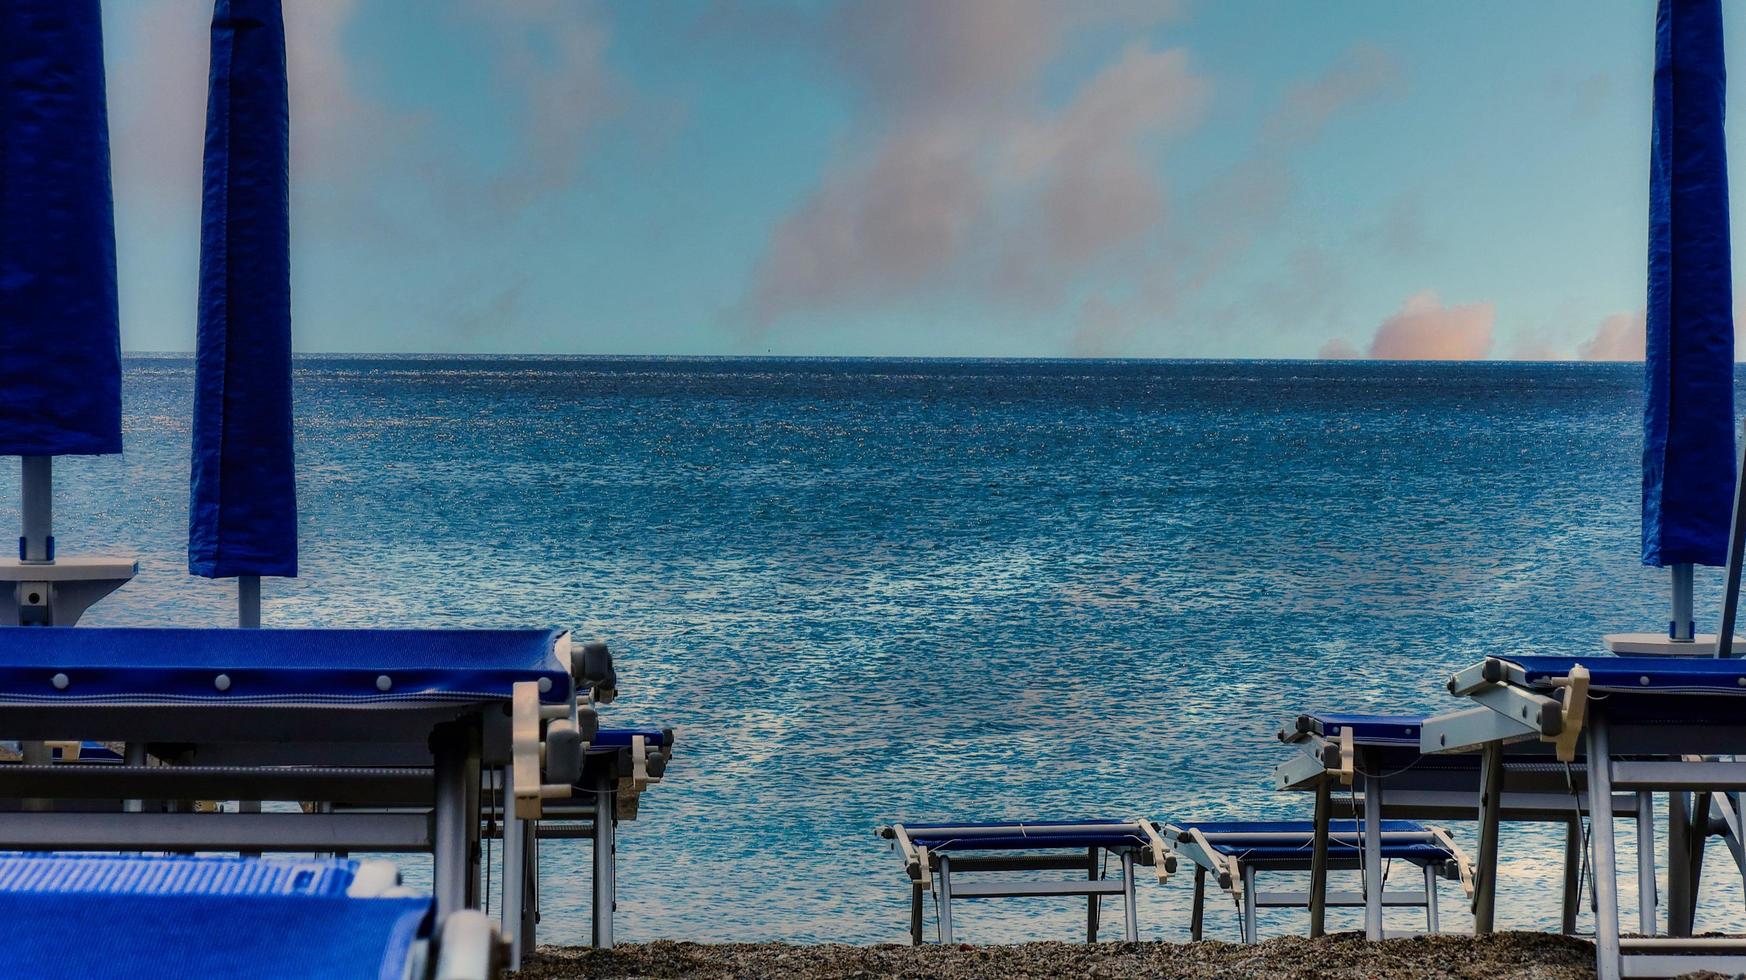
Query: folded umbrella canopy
[60,346]
[242,516]
[1688,417]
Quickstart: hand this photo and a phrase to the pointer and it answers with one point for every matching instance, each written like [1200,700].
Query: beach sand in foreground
[1527,955]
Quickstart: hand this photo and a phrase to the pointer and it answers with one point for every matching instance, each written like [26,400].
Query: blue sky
[924,177]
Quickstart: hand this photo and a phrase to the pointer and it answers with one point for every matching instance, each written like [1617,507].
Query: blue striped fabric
[123,875]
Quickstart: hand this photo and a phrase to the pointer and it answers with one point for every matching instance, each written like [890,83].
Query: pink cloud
[1426,330]
[1337,349]
[550,60]
[1620,337]
[886,226]
[1363,72]
[970,171]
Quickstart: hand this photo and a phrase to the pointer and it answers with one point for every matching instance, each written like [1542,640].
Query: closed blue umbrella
[60,348]
[242,516]
[1688,419]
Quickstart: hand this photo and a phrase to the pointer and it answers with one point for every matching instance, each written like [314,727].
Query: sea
[864,591]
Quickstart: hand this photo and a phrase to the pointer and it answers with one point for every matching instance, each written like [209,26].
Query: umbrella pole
[37,507]
[1680,628]
[248,601]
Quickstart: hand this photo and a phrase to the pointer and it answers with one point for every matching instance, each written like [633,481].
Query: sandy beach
[1532,956]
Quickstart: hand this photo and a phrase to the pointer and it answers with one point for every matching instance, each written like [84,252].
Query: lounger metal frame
[922,864]
[1237,874]
[1533,788]
[1688,760]
[430,755]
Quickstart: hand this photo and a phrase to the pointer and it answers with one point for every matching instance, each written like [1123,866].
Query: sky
[1037,178]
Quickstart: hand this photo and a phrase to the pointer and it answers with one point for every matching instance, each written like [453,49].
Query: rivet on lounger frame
[545,685]
[384,682]
[222,682]
[1644,680]
[60,681]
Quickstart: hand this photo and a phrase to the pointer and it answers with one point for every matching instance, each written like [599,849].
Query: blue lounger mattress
[1366,729]
[176,917]
[618,738]
[1641,675]
[277,666]
[1027,835]
[1276,840]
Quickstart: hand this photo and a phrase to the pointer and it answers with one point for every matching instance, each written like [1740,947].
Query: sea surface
[875,590]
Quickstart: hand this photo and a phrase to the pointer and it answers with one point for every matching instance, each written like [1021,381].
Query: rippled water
[876,590]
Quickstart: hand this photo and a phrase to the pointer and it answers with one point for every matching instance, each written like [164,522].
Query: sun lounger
[1081,845]
[619,766]
[1234,853]
[175,917]
[1640,725]
[385,716]
[1351,761]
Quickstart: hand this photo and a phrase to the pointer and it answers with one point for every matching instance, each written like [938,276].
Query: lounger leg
[1372,854]
[605,869]
[945,900]
[915,914]
[512,870]
[1248,903]
[1318,900]
[449,844]
[1678,846]
[1700,835]
[1572,874]
[1132,934]
[475,822]
[1091,900]
[1646,863]
[1606,882]
[1431,899]
[1198,916]
[134,754]
[1491,784]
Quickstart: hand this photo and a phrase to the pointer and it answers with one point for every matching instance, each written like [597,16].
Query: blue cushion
[1028,835]
[276,666]
[175,917]
[1256,840]
[612,738]
[1639,675]
[1370,729]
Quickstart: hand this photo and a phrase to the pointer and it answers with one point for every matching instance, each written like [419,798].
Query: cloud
[158,99]
[550,62]
[1620,337]
[1426,330]
[1363,72]
[888,225]
[967,165]
[1337,349]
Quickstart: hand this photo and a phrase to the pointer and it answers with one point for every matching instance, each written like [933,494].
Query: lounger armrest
[564,746]
[469,947]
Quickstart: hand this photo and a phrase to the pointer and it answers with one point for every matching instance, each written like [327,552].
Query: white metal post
[1372,856]
[1431,899]
[605,870]
[1646,862]
[513,855]
[944,901]
[1606,880]
[1249,923]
